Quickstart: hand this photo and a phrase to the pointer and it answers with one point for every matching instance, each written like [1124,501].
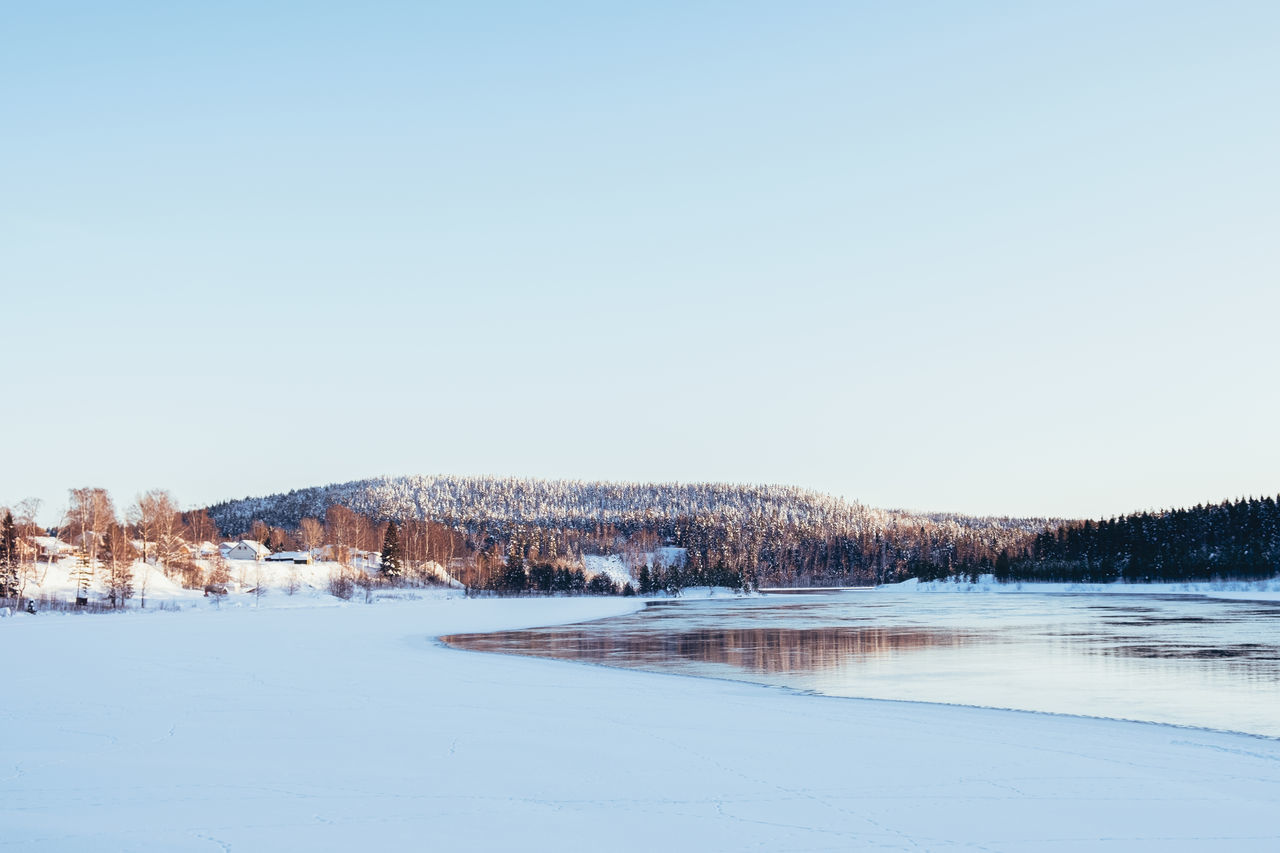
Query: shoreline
[306,728]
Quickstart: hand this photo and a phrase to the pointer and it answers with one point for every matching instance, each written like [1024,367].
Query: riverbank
[341,727]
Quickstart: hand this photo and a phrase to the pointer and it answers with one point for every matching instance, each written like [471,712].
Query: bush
[341,584]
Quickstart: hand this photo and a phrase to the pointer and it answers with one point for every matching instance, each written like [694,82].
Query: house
[347,554]
[225,548]
[301,558]
[51,548]
[366,559]
[247,549]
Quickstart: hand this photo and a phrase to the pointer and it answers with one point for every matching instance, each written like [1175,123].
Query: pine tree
[675,579]
[646,580]
[391,557]
[118,579]
[514,577]
[8,557]
[1002,565]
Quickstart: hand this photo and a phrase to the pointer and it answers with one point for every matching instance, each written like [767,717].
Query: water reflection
[762,650]
[1165,659]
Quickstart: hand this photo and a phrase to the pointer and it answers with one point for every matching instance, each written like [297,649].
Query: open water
[1168,659]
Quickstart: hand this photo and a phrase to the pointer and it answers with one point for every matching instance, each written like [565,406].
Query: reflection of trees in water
[781,650]
[756,649]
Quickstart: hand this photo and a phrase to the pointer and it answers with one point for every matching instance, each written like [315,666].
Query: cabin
[50,548]
[247,549]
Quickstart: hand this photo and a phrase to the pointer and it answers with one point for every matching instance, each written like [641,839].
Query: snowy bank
[1266,590]
[340,728]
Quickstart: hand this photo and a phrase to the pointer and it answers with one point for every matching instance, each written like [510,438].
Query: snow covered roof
[51,544]
[253,545]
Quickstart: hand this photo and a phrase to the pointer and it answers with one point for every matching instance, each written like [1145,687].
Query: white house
[247,549]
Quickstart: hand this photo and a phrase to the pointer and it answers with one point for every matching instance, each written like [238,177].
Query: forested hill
[781,534]
[773,533]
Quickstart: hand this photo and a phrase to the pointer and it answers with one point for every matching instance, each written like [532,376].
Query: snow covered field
[348,727]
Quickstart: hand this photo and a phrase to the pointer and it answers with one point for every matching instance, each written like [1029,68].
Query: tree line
[1231,540]
[712,535]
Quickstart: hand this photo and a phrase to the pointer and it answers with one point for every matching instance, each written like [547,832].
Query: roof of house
[51,543]
[254,545]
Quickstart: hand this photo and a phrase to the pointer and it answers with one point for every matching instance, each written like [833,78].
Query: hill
[773,533]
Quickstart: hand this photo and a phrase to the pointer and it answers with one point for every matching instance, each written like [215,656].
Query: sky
[996,258]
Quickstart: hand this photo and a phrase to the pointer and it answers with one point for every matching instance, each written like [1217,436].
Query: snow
[1265,590]
[667,555]
[151,582]
[58,579]
[610,565]
[347,727]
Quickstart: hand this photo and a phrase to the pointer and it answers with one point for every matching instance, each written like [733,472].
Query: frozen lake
[1168,659]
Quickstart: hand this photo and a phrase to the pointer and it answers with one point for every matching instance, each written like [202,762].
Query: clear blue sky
[1011,258]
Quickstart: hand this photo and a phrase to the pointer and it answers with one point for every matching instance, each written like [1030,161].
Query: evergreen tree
[563,581]
[646,580]
[542,577]
[602,584]
[8,557]
[391,556]
[118,554]
[1002,565]
[675,580]
[514,577]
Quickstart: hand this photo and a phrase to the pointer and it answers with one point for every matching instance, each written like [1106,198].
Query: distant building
[50,548]
[301,558]
[247,549]
[366,559]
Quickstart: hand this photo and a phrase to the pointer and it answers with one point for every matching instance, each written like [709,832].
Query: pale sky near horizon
[999,258]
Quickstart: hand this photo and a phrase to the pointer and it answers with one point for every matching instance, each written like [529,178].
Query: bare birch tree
[89,512]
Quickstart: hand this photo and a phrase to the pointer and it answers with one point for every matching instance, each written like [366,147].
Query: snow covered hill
[503,502]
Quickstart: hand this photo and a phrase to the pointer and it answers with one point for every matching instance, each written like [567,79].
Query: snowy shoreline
[331,728]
